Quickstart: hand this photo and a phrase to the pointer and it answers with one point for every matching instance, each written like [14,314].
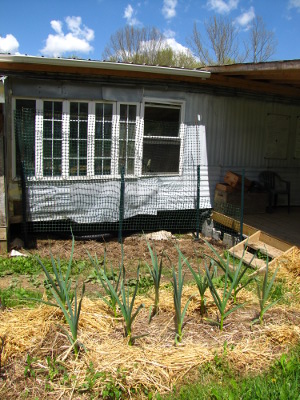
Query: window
[78,139]
[88,139]
[127,138]
[162,141]
[103,139]
[52,138]
[25,135]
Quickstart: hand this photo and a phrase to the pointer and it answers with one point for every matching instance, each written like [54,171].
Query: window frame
[167,102]
[114,171]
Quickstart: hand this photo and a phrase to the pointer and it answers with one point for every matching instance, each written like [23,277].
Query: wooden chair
[275,186]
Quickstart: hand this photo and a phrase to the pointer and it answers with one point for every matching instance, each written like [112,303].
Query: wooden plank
[232,223]
[3,233]
[266,249]
[248,258]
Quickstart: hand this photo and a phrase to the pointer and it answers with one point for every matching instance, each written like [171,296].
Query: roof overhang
[281,78]
[27,63]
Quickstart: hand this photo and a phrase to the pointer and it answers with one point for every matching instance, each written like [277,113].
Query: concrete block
[207,228]
[216,235]
[229,240]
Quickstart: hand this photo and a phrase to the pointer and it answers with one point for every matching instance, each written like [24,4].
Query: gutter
[105,65]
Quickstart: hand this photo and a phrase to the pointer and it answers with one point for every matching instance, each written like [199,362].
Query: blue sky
[83,27]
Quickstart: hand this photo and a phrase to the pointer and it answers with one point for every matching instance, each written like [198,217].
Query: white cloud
[244,19]
[129,15]
[294,4]
[168,33]
[222,6]
[169,9]
[177,47]
[9,44]
[76,40]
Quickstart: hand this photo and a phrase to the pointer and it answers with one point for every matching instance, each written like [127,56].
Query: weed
[18,296]
[29,371]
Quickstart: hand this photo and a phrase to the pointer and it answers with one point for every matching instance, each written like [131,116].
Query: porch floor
[279,223]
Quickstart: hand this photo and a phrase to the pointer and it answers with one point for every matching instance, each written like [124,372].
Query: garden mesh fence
[94,174]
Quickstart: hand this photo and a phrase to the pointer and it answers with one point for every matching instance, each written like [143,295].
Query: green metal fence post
[121,208]
[242,205]
[198,203]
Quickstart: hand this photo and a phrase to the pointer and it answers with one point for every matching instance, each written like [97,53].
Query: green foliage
[219,382]
[177,284]
[103,276]
[125,303]
[264,292]
[155,272]
[60,288]
[222,302]
[200,279]
[230,268]
[18,296]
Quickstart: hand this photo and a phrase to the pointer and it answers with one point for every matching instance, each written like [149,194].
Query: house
[84,143]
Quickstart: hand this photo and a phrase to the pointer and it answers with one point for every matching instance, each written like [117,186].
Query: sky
[64,28]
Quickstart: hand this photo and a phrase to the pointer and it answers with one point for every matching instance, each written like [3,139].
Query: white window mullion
[181,135]
[39,139]
[65,139]
[139,143]
[115,140]
[91,139]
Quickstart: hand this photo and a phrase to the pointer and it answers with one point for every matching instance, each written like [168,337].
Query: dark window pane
[107,149]
[58,109]
[98,166]
[47,129]
[130,149]
[106,167]
[83,130]
[48,109]
[74,110]
[122,149]
[107,130]
[82,167]
[57,148]
[131,131]
[47,148]
[161,121]
[99,111]
[161,156]
[57,129]
[73,168]
[123,131]
[83,114]
[73,129]
[123,112]
[47,167]
[73,148]
[98,148]
[56,167]
[130,166]
[82,149]
[132,113]
[108,109]
[98,130]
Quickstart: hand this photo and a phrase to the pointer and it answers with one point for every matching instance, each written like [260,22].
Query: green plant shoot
[177,284]
[155,272]
[264,291]
[103,276]
[126,304]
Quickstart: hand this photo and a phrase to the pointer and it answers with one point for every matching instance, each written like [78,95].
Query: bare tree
[221,45]
[131,44]
[145,46]
[262,43]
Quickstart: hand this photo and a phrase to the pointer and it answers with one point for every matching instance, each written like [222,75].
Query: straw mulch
[154,363]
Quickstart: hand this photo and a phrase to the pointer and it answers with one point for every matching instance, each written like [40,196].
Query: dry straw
[153,363]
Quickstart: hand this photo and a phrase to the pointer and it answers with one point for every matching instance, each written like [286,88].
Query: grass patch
[18,296]
[282,381]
